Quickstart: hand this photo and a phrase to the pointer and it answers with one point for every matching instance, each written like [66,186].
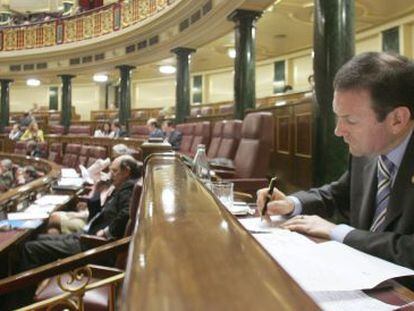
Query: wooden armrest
[103,271]
[225,174]
[91,241]
[36,275]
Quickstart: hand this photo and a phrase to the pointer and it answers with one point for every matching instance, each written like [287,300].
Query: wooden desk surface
[189,253]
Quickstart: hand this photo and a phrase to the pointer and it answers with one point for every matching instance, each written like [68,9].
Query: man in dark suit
[173,136]
[374,105]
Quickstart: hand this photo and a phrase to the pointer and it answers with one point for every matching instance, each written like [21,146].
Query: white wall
[302,68]
[220,86]
[154,93]
[372,43]
[264,80]
[23,97]
[86,97]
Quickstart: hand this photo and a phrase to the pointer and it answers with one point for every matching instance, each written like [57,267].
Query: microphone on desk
[272,185]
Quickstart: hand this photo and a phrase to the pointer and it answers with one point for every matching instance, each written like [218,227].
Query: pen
[269,195]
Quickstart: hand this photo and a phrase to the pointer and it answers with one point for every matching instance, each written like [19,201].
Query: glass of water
[223,190]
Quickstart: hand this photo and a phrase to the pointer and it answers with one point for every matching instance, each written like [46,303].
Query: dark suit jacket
[115,212]
[354,196]
[174,139]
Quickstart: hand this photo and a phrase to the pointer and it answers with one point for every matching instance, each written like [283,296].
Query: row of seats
[207,111]
[72,155]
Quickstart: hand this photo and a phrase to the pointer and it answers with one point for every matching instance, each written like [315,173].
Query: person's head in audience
[6,165]
[106,128]
[30,173]
[287,88]
[115,126]
[33,127]
[123,168]
[168,126]
[374,102]
[152,124]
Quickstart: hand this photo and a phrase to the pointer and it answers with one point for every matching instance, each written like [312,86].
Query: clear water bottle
[200,164]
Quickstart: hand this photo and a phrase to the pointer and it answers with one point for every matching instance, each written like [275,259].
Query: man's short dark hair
[134,167]
[169,123]
[387,77]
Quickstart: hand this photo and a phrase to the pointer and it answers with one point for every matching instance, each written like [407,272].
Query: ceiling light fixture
[99,77]
[166,69]
[231,52]
[33,82]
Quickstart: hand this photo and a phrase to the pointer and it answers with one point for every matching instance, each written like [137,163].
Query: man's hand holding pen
[277,204]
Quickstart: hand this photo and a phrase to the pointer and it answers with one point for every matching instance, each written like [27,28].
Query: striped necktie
[385,170]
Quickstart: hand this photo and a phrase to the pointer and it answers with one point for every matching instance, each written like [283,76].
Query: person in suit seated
[374,105]
[109,223]
[173,136]
[117,130]
[33,133]
[16,132]
[7,176]
[154,129]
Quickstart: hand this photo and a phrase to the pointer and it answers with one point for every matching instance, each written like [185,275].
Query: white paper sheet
[330,266]
[349,301]
[34,208]
[75,182]
[26,216]
[51,199]
[255,224]
[68,173]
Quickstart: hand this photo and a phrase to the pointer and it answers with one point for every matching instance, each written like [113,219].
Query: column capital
[66,77]
[125,67]
[182,51]
[240,15]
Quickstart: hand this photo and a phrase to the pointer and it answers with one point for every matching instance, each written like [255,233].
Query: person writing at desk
[374,105]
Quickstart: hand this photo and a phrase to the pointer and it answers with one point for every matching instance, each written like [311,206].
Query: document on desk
[51,199]
[27,216]
[68,173]
[348,301]
[71,182]
[328,266]
[34,208]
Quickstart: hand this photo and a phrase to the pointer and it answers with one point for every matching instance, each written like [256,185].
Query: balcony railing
[88,25]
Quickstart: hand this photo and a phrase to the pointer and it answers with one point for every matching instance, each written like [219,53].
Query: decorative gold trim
[78,279]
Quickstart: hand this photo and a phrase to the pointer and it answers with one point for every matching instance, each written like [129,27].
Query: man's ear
[399,118]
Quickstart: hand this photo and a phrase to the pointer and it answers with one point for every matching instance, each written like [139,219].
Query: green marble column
[182,89]
[124,94]
[334,45]
[5,103]
[244,64]
[66,114]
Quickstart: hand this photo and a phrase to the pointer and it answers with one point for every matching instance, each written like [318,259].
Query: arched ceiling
[284,27]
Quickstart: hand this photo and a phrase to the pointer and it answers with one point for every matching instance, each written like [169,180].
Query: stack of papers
[332,273]
[68,173]
[52,199]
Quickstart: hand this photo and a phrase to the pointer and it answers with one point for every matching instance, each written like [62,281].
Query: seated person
[30,173]
[27,119]
[117,130]
[173,136]
[109,223]
[154,128]
[104,131]
[33,133]
[16,132]
[75,221]
[33,150]
[6,173]
[375,195]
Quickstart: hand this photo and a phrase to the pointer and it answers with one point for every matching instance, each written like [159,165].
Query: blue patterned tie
[384,173]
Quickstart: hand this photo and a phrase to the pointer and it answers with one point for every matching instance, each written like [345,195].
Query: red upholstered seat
[20,147]
[80,130]
[95,153]
[83,155]
[188,133]
[230,139]
[70,158]
[206,111]
[56,129]
[139,131]
[201,135]
[54,118]
[215,139]
[55,153]
[226,109]
[195,111]
[255,147]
